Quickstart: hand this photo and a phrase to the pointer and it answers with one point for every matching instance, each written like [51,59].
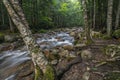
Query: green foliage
[42,31]
[112,76]
[116,33]
[106,37]
[88,42]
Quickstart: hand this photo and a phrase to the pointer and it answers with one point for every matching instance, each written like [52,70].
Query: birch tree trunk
[117,16]
[86,22]
[37,56]
[109,17]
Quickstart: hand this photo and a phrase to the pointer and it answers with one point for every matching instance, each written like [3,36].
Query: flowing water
[9,60]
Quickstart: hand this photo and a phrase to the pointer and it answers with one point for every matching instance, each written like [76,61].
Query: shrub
[42,31]
[106,37]
[116,34]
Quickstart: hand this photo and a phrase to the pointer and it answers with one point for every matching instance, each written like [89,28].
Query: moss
[36,50]
[38,73]
[88,42]
[106,37]
[112,76]
[49,74]
[42,31]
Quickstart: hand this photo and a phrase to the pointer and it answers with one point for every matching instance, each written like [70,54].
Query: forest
[59,39]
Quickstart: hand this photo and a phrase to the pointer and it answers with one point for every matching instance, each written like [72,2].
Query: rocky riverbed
[14,58]
[62,46]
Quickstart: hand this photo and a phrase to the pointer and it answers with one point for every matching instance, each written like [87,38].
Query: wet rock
[86,76]
[80,45]
[54,62]
[46,52]
[64,53]
[68,47]
[54,51]
[16,65]
[11,38]
[72,55]
[11,46]
[5,47]
[72,34]
[86,55]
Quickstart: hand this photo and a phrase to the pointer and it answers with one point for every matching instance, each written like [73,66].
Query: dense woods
[49,14]
[93,24]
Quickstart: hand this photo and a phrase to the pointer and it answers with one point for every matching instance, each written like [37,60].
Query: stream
[11,62]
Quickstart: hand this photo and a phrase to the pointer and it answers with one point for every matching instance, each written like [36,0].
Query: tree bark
[86,22]
[117,16]
[109,17]
[94,16]
[2,14]
[11,24]
[37,56]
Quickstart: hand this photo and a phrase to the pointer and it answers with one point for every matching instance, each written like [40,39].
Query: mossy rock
[112,76]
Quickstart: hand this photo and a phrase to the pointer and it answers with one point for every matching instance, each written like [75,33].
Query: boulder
[68,47]
[16,65]
[11,37]
[54,62]
[46,52]
[64,53]
[72,34]
[80,45]
[5,47]
[86,55]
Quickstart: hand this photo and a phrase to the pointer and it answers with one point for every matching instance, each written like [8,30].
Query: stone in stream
[79,45]
[68,47]
[16,65]
[72,34]
[54,62]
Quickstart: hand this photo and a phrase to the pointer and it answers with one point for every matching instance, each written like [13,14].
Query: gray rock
[68,47]
[16,65]
[54,62]
[11,38]
[86,55]
[80,45]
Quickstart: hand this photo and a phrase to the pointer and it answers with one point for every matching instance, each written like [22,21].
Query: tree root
[107,61]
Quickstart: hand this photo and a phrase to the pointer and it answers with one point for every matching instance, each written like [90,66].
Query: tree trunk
[117,16]
[109,17]
[2,14]
[37,56]
[11,24]
[94,16]
[86,22]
